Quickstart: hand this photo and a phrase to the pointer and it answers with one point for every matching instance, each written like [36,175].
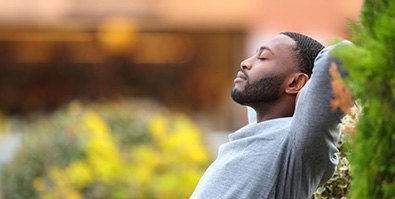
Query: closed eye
[263,53]
[262,58]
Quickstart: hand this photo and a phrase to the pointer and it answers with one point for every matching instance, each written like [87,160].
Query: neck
[271,110]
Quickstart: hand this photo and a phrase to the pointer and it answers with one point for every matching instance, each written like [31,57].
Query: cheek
[264,71]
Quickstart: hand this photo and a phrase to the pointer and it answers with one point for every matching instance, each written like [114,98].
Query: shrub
[371,64]
[112,150]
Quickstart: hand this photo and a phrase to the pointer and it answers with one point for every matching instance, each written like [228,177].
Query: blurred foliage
[111,150]
[370,64]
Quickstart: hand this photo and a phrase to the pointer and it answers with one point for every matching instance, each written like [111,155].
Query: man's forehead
[279,43]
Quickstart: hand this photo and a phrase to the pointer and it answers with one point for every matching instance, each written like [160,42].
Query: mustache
[245,73]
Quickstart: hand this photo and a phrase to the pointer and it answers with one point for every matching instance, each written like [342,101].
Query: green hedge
[371,65]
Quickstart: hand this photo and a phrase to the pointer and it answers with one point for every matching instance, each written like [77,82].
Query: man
[291,148]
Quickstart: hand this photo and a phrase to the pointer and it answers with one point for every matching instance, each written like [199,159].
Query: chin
[235,94]
[238,88]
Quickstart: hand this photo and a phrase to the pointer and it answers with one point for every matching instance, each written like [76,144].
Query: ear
[295,83]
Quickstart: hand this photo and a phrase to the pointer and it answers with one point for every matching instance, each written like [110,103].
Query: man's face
[262,75]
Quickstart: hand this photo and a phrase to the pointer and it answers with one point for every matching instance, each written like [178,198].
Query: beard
[265,90]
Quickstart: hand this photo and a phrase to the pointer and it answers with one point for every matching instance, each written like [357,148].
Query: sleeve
[314,123]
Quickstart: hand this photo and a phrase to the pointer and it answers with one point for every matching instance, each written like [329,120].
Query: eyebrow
[262,48]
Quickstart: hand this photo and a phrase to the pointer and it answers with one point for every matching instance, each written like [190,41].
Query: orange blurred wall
[321,19]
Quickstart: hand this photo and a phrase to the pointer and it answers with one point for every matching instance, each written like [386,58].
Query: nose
[246,64]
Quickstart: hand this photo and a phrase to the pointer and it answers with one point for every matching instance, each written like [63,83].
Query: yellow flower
[146,161]
[79,173]
[185,141]
[159,128]
[101,149]
[38,184]
[168,167]
[62,188]
[96,124]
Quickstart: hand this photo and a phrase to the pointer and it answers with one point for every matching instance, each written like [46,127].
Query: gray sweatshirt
[284,157]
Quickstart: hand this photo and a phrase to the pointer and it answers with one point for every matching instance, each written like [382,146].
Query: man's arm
[314,122]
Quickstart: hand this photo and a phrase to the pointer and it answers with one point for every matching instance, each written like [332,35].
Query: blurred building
[183,54]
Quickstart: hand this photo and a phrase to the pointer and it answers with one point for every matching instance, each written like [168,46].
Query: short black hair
[306,49]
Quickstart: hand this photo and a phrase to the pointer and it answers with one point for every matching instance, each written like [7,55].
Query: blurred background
[131,74]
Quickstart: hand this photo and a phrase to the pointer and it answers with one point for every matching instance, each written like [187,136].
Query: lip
[240,77]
